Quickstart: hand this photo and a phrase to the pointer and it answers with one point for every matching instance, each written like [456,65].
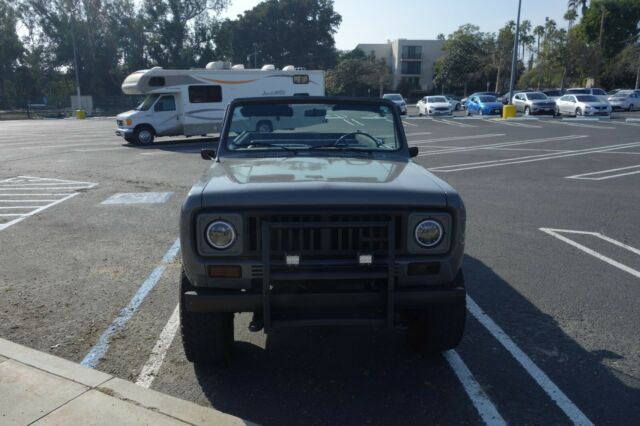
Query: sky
[423,19]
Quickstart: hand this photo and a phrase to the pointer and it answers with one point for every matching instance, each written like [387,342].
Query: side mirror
[413,151]
[208,154]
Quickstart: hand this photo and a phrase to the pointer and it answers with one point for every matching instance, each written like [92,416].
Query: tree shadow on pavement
[361,376]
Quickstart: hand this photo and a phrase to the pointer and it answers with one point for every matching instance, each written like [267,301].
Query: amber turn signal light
[224,271]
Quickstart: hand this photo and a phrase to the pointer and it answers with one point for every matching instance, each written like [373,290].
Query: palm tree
[525,37]
[539,33]
[573,5]
[571,15]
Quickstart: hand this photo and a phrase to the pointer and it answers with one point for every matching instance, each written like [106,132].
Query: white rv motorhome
[193,102]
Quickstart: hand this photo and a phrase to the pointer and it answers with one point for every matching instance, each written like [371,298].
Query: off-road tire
[207,337]
[440,328]
[143,135]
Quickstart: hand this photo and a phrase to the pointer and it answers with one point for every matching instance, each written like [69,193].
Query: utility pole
[75,54]
[638,74]
[515,53]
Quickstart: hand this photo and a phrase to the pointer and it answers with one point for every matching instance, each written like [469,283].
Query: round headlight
[220,235]
[428,233]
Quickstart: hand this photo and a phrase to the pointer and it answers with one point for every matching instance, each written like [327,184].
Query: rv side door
[166,119]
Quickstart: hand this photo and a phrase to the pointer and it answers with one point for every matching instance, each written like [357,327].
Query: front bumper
[543,110]
[600,113]
[124,132]
[439,112]
[492,111]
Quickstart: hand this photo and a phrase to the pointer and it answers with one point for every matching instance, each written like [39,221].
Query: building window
[410,67]
[410,82]
[205,94]
[411,52]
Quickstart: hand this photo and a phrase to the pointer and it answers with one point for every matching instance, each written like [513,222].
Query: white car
[434,105]
[625,99]
[582,105]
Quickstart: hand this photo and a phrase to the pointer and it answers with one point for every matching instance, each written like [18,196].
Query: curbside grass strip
[52,364]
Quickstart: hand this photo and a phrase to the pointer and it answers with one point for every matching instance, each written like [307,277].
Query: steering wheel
[358,132]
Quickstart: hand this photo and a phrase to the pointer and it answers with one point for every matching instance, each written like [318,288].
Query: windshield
[583,91]
[291,127]
[436,99]
[553,93]
[536,96]
[586,98]
[148,101]
[487,98]
[621,94]
[393,97]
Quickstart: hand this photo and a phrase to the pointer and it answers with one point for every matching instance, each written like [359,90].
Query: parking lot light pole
[515,55]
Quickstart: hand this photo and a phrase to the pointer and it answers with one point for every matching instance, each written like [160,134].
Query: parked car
[598,93]
[553,94]
[397,99]
[324,225]
[484,105]
[581,105]
[456,105]
[531,103]
[434,105]
[465,100]
[625,99]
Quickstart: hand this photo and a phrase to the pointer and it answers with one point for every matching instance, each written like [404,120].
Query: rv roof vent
[289,68]
[156,68]
[218,65]
[237,67]
[301,68]
[268,67]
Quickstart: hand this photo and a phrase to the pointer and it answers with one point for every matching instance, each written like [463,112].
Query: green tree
[11,51]
[358,75]
[283,32]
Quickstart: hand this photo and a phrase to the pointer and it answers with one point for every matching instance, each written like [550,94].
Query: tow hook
[256,323]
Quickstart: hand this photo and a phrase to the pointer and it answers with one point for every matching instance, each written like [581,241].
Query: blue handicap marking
[138,198]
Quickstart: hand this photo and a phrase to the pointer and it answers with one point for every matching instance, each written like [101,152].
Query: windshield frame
[401,153]
[445,101]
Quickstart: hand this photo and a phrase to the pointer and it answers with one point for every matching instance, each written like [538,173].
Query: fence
[61,107]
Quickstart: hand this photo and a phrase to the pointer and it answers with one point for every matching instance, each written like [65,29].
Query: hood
[495,104]
[594,104]
[439,105]
[320,181]
[127,114]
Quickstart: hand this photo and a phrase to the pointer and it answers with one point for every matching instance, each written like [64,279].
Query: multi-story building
[411,61]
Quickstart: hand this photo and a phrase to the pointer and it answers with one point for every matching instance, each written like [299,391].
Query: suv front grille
[335,241]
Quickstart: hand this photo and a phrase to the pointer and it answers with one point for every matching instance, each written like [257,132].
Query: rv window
[166,103]
[205,94]
[300,94]
[156,81]
[301,79]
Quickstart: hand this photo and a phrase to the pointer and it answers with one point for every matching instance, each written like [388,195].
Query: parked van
[193,102]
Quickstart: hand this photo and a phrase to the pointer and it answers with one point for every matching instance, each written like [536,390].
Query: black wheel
[457,107]
[578,112]
[631,107]
[143,135]
[129,139]
[207,337]
[527,111]
[439,328]
[264,127]
[556,112]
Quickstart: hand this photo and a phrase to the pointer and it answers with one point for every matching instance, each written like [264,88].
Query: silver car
[625,99]
[581,105]
[531,103]
[598,93]
[397,99]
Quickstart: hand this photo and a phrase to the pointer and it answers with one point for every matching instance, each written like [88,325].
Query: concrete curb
[42,388]
[607,118]
[632,120]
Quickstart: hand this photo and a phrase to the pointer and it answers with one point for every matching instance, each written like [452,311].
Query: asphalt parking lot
[89,268]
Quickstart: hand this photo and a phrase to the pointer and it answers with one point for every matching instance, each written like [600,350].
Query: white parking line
[606,174]
[512,143]
[102,345]
[151,368]
[409,124]
[550,388]
[589,126]
[456,138]
[506,123]
[417,133]
[557,233]
[478,397]
[527,159]
[24,184]
[452,123]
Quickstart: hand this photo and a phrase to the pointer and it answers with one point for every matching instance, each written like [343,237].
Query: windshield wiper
[265,145]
